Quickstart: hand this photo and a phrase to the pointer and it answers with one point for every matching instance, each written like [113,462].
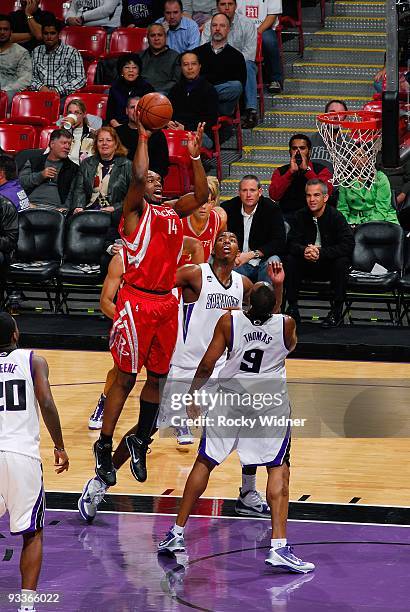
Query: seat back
[14,138]
[406,257]
[179,178]
[8,6]
[44,139]
[85,237]
[127,40]
[90,41]
[35,107]
[96,103]
[58,7]
[40,235]
[3,104]
[378,242]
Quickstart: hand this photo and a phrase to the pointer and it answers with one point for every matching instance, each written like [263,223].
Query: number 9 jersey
[19,418]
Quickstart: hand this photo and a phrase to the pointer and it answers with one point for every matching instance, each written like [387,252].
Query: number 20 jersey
[19,418]
[153,250]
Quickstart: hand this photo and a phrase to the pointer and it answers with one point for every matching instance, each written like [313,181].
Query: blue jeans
[228,96]
[257,273]
[207,142]
[271,56]
[250,88]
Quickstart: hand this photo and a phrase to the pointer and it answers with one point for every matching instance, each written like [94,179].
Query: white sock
[278,543]
[248,483]
[27,598]
[178,530]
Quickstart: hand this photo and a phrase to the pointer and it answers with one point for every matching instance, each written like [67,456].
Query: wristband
[61,450]
[195,158]
[143,137]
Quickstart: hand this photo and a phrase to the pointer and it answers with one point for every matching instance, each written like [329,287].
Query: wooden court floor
[368,402]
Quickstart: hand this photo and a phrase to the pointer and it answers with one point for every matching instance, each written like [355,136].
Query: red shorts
[144,330]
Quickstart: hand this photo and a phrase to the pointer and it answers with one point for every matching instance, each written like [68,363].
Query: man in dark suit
[259,226]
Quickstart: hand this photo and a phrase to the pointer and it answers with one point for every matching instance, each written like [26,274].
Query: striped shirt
[62,69]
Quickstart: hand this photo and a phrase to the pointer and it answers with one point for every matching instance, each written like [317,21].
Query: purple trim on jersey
[187,318]
[31,365]
[201,450]
[284,333]
[279,457]
[37,515]
[231,339]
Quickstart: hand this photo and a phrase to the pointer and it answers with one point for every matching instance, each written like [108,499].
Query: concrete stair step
[263,171]
[335,70]
[289,119]
[309,102]
[340,38]
[360,9]
[274,136]
[334,55]
[365,23]
[331,87]
[265,154]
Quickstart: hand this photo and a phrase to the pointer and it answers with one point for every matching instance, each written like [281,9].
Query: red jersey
[207,236]
[153,250]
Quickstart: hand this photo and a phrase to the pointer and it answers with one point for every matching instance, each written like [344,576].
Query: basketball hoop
[353,139]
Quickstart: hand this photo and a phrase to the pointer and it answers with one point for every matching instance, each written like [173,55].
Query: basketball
[155,111]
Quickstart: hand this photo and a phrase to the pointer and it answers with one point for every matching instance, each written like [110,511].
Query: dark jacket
[289,189]
[118,184]
[157,148]
[195,101]
[228,65]
[65,180]
[120,91]
[162,70]
[267,232]
[9,227]
[335,233]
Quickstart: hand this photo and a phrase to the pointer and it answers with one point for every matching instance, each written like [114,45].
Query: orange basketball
[155,111]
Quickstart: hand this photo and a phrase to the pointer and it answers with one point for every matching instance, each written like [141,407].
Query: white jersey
[19,417]
[197,321]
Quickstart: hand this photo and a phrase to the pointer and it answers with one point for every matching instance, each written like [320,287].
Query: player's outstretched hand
[195,141]
[142,131]
[61,461]
[276,272]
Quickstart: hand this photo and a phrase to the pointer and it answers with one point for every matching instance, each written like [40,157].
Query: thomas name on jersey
[259,336]
[221,300]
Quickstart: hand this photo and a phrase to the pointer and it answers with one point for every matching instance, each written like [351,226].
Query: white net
[353,140]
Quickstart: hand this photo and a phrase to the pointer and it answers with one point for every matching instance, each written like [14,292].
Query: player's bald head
[8,329]
[262,299]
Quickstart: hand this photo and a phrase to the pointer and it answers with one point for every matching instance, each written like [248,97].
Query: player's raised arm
[110,286]
[49,411]
[195,248]
[277,275]
[186,204]
[134,200]
[290,334]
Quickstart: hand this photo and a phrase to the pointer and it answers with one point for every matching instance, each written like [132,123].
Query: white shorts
[22,492]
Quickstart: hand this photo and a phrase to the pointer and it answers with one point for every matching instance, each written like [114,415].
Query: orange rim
[369,120]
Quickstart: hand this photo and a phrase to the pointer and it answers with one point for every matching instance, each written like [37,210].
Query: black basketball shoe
[104,467]
[138,450]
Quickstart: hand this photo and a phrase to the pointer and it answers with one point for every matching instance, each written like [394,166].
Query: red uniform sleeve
[279,184]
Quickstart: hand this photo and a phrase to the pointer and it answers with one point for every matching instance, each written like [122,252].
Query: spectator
[10,186]
[259,227]
[9,233]
[242,36]
[362,203]
[220,61]
[194,99]
[288,182]
[26,24]
[319,152]
[182,33]
[103,13]
[141,13]
[15,64]
[265,13]
[157,144]
[83,136]
[48,177]
[103,179]
[320,247]
[160,64]
[399,178]
[56,66]
[129,83]
[199,10]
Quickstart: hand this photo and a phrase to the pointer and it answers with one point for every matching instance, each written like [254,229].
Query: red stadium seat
[45,136]
[128,40]
[259,77]
[8,6]
[35,107]
[90,86]
[95,103]
[58,7]
[291,20]
[90,41]
[14,138]
[179,178]
[3,104]
[215,153]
